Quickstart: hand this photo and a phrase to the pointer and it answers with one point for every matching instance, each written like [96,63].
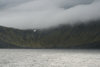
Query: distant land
[80,35]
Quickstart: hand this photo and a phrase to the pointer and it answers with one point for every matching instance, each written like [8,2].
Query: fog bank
[26,14]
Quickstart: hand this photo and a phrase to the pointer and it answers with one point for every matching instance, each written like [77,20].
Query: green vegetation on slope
[64,36]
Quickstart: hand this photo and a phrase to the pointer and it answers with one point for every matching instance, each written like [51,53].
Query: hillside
[63,36]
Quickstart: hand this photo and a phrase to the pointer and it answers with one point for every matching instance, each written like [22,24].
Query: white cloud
[47,13]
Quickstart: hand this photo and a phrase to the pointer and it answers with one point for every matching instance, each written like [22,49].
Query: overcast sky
[25,14]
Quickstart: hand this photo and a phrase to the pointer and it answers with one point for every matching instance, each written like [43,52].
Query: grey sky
[26,14]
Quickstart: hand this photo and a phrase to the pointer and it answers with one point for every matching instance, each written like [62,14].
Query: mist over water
[26,14]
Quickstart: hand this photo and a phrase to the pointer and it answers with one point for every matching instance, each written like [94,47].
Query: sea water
[49,58]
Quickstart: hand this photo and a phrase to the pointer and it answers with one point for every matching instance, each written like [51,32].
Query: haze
[27,14]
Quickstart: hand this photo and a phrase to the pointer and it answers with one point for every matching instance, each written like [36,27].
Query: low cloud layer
[25,14]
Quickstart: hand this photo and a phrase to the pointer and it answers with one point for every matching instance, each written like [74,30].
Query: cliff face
[64,36]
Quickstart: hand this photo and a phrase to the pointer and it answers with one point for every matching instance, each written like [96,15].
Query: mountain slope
[6,45]
[64,36]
